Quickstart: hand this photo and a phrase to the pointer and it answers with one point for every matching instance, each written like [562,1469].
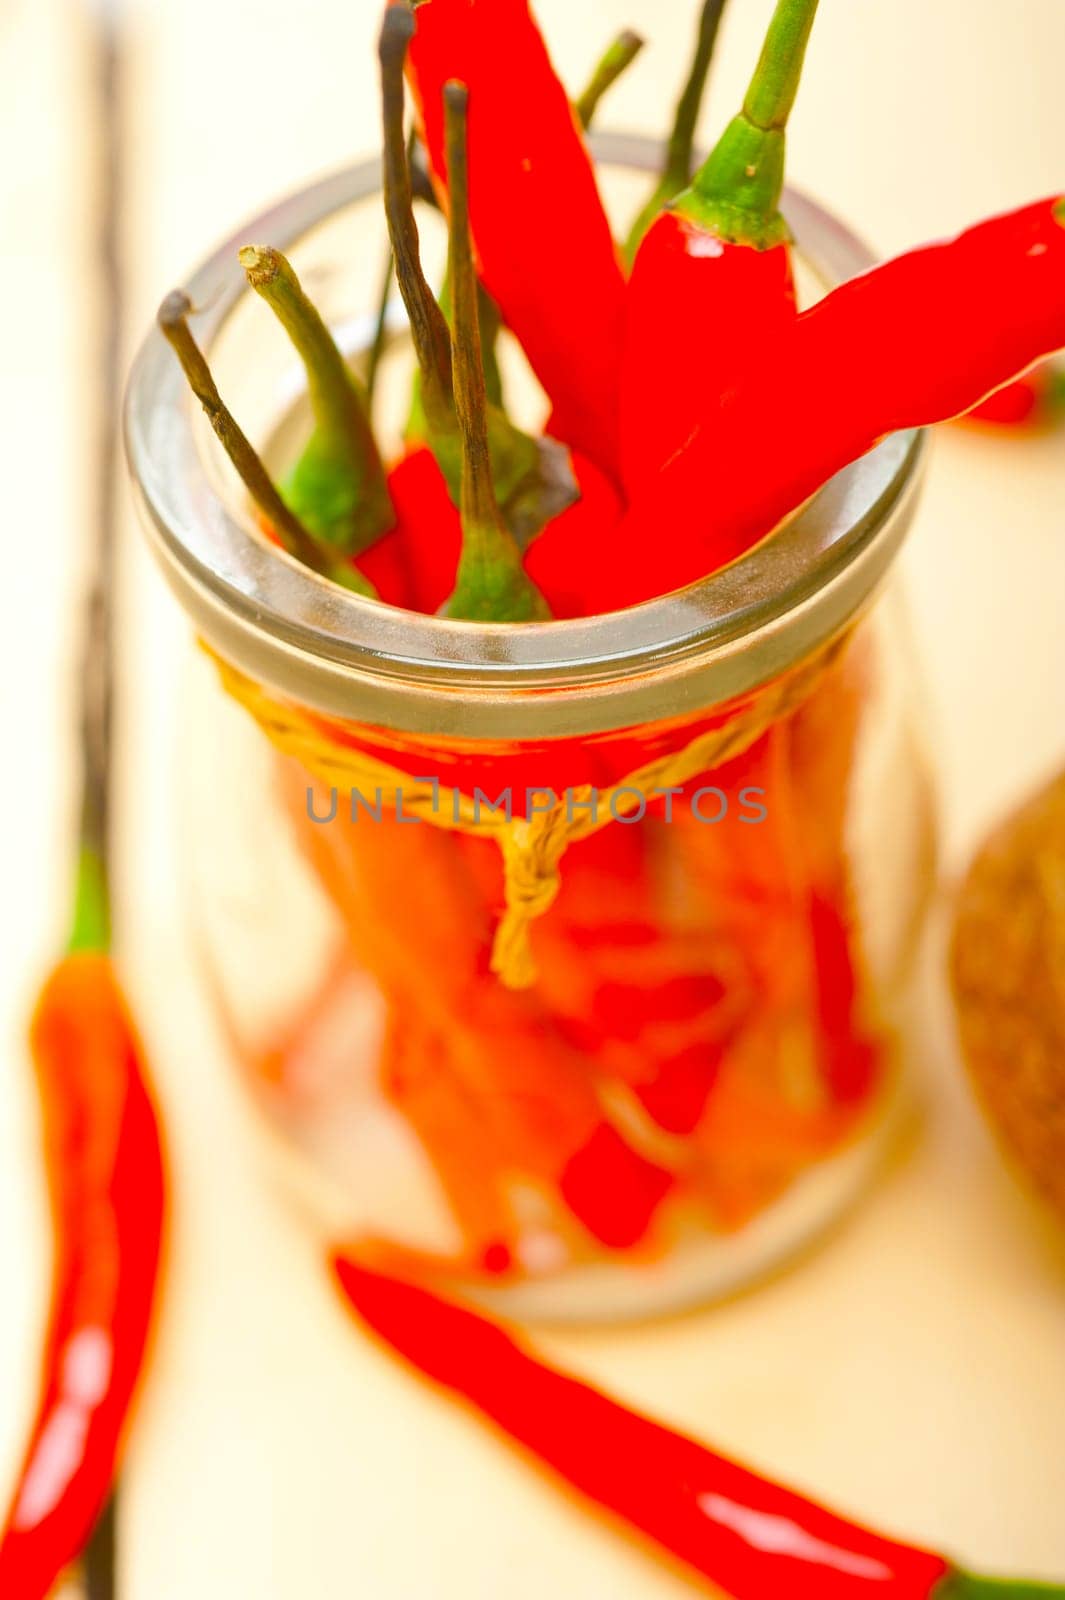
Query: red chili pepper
[544,244]
[105,1173]
[414,565]
[1035,401]
[750,1538]
[385,565]
[918,340]
[535,480]
[716,265]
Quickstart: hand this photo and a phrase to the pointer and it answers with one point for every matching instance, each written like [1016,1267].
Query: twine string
[533,847]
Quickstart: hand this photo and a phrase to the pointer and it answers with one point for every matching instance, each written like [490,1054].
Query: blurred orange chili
[104,1165]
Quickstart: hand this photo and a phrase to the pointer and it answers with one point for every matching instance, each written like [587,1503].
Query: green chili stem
[962,1586]
[737,190]
[91,923]
[491,583]
[775,84]
[429,330]
[173,321]
[676,174]
[616,60]
[328,376]
[338,486]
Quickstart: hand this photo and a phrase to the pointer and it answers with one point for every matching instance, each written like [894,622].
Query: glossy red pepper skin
[415,564]
[712,291]
[699,310]
[1030,403]
[544,245]
[105,1171]
[750,1538]
[919,340]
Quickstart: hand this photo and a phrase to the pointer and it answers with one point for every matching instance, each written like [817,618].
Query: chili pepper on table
[720,260]
[677,170]
[101,1146]
[543,241]
[750,1538]
[104,1164]
[918,340]
[337,486]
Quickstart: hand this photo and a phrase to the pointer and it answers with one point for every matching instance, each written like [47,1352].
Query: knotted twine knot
[532,847]
[532,877]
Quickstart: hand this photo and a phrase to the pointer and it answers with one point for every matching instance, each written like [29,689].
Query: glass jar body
[702,1072]
[678,1061]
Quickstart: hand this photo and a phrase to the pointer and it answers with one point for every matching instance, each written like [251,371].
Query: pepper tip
[261,263]
[456,95]
[397,30]
[174,309]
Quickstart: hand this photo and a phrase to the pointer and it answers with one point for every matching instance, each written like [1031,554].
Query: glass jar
[569,958]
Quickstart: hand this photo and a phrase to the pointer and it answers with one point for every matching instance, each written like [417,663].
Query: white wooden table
[911,1370]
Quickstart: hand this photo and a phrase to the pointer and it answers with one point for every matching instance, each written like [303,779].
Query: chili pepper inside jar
[570,957]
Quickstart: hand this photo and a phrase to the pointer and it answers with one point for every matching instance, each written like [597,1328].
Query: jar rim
[351,656]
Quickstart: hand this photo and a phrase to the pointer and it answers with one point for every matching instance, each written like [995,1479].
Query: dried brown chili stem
[429,330]
[421,191]
[682,139]
[173,318]
[97,664]
[677,171]
[471,398]
[99,1561]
